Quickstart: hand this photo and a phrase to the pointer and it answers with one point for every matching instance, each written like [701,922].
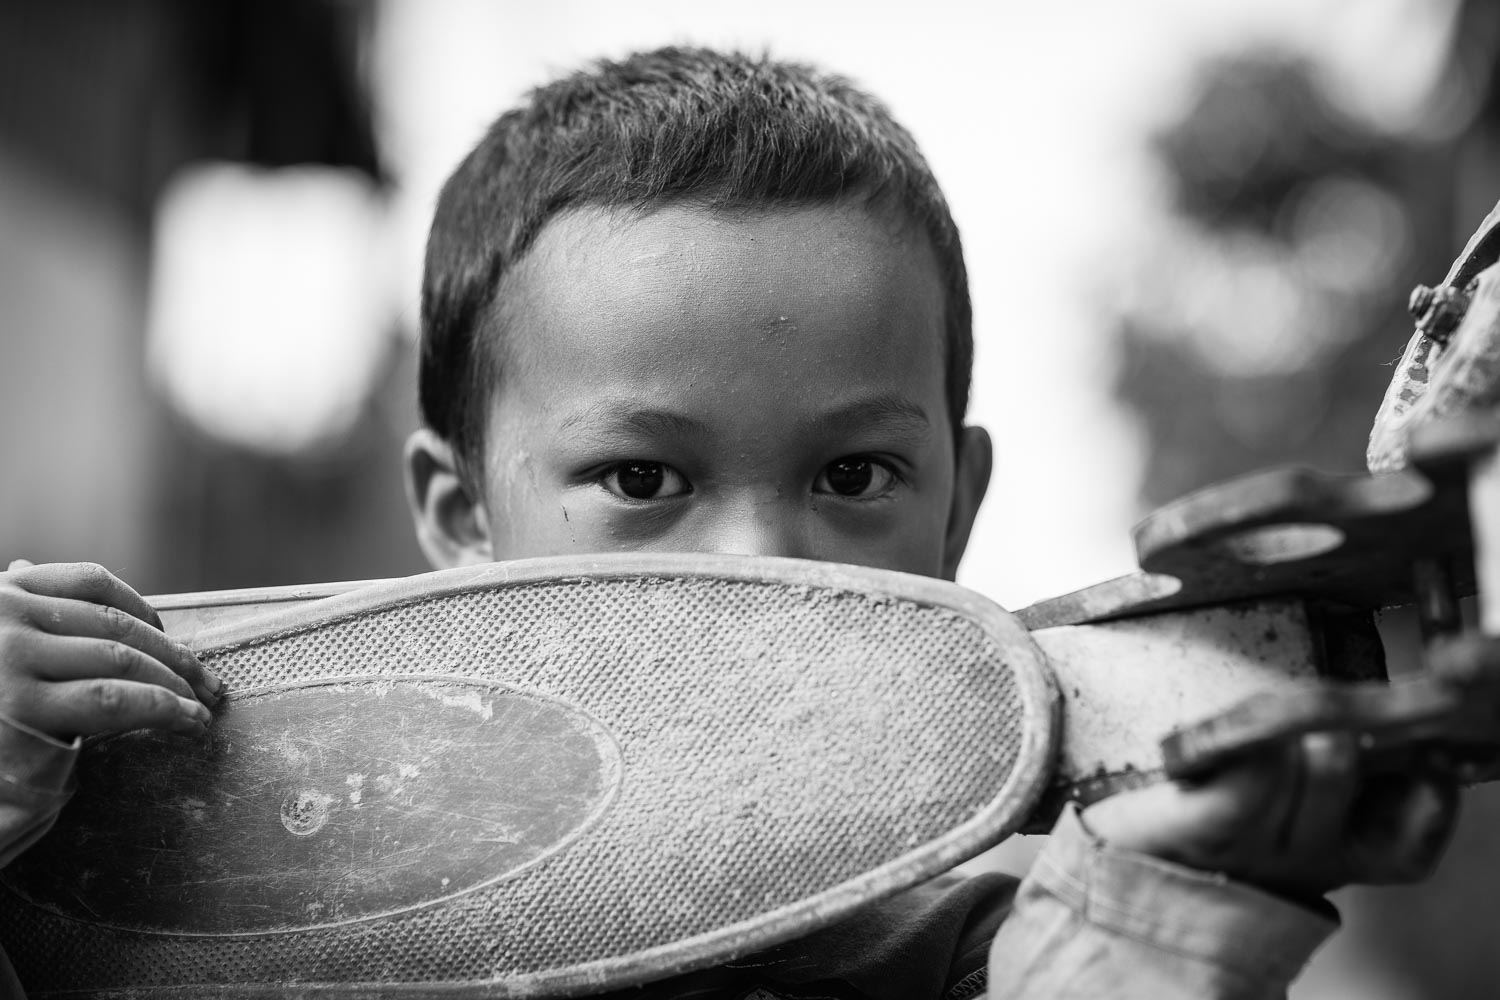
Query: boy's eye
[645,481]
[855,476]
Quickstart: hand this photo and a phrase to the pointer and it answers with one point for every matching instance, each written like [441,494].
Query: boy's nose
[761,529]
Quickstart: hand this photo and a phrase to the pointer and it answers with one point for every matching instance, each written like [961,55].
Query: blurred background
[1191,227]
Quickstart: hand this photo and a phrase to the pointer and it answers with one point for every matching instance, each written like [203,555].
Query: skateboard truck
[1423,530]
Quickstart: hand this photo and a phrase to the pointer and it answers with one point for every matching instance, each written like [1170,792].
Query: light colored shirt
[1092,921]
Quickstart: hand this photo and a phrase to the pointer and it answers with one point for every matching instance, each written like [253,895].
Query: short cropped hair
[729,129]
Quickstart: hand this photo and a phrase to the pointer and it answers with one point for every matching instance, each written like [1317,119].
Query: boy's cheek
[561,522]
[883,534]
[606,524]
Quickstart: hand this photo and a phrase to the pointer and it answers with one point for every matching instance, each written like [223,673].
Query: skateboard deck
[548,777]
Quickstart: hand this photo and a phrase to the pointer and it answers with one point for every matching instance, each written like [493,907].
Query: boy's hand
[1297,821]
[81,653]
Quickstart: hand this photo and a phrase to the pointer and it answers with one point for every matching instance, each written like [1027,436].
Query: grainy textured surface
[776,741]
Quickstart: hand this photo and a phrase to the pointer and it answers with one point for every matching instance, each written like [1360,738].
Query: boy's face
[767,382]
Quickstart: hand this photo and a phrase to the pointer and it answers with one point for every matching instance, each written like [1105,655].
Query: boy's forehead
[684,267]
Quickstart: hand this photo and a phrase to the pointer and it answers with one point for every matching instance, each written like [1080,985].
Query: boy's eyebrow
[643,420]
[887,412]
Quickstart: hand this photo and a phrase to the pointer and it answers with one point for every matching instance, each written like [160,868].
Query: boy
[702,302]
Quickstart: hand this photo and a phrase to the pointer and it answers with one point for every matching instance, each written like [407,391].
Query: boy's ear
[452,524]
[971,478]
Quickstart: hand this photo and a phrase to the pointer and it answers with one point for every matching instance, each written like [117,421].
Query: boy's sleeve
[1093,921]
[36,779]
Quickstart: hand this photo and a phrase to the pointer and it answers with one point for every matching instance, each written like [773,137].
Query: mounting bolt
[1438,311]
[1420,301]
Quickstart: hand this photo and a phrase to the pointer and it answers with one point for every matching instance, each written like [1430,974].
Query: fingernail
[212,682]
[190,724]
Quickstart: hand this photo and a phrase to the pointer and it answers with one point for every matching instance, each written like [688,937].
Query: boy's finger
[1249,793]
[105,705]
[17,564]
[86,582]
[66,658]
[1215,822]
[1319,810]
[62,617]
[1400,825]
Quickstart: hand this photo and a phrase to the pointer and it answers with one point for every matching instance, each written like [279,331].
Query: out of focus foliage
[1263,328]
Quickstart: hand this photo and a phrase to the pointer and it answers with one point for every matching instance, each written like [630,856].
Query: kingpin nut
[1420,301]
